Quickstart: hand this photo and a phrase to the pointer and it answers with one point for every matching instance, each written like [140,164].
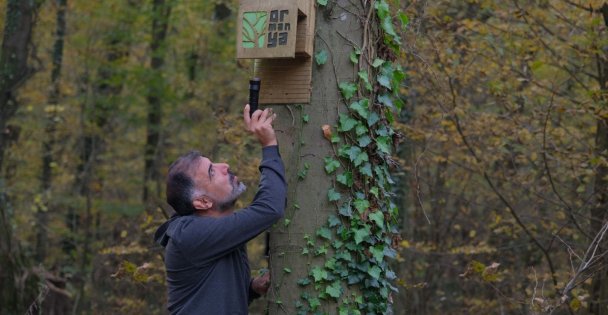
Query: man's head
[194,183]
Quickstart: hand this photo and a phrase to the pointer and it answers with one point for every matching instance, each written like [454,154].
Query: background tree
[19,21]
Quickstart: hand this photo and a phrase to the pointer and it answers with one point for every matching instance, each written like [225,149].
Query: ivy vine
[363,233]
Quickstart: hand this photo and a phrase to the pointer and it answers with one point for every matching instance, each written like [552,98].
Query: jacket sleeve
[206,239]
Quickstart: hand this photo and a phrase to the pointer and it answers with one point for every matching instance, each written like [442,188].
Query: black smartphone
[254,94]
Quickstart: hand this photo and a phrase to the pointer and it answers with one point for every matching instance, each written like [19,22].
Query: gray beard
[229,202]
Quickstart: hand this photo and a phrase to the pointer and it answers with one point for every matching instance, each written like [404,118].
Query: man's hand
[260,124]
[261,284]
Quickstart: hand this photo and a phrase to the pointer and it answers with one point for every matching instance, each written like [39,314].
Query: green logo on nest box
[254,29]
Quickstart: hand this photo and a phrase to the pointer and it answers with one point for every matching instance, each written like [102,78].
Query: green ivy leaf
[309,241]
[303,281]
[360,129]
[384,81]
[404,20]
[386,100]
[398,76]
[364,141]
[384,144]
[387,26]
[345,210]
[354,56]
[361,107]
[345,179]
[377,62]
[331,165]
[337,244]
[287,270]
[347,123]
[364,76]
[377,252]
[348,89]
[361,234]
[351,152]
[361,205]
[372,119]
[374,271]
[321,250]
[314,302]
[382,9]
[322,2]
[306,118]
[321,56]
[374,191]
[286,222]
[344,255]
[366,169]
[335,138]
[318,274]
[333,195]
[353,279]
[362,157]
[334,290]
[302,173]
[332,221]
[378,218]
[324,233]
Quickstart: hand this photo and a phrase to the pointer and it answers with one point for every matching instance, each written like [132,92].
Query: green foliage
[348,89]
[321,57]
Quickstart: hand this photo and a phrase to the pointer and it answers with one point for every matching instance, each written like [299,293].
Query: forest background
[502,176]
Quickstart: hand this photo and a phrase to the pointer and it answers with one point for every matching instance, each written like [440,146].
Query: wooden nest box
[279,34]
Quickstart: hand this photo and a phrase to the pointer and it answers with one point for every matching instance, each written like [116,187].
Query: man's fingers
[246,116]
[271,117]
[256,116]
[264,114]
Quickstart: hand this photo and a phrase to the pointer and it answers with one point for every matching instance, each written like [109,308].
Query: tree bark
[599,285]
[152,153]
[49,142]
[107,88]
[303,144]
[14,71]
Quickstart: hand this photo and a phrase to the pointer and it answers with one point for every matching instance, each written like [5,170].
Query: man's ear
[202,203]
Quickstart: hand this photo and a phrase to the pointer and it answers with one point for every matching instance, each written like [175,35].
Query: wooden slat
[285,81]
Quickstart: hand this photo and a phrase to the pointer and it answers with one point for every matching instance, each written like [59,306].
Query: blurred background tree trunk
[153,153]
[18,284]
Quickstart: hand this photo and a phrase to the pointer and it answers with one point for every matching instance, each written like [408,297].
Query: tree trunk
[599,285]
[14,297]
[49,142]
[107,88]
[303,147]
[13,60]
[152,153]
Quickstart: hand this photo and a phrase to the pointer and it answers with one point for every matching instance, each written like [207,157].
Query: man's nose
[224,168]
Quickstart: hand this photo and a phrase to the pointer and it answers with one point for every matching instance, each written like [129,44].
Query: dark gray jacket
[206,259]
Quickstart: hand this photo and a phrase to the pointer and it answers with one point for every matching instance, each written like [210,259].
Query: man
[205,255]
